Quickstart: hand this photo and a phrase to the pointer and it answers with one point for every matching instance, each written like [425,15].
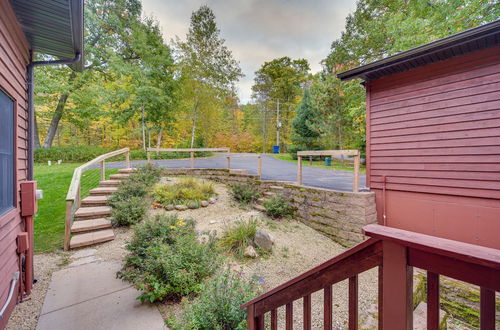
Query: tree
[303,135]
[280,83]
[207,66]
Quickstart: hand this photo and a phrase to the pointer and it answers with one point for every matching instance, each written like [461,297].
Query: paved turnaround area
[272,169]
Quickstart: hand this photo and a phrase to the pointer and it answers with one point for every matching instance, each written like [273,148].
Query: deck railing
[395,252]
[190,150]
[85,178]
[355,153]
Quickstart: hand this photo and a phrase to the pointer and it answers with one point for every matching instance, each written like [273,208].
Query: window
[6,153]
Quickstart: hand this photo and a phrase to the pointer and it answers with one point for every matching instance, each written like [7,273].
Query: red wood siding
[14,56]
[434,131]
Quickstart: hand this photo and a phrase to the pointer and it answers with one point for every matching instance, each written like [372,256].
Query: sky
[258,31]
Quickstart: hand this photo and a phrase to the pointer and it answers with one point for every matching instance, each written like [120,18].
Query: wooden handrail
[259,161]
[189,149]
[77,174]
[358,259]
[328,153]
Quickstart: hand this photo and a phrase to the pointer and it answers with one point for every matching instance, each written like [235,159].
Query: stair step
[269,193]
[259,207]
[95,200]
[127,170]
[276,187]
[261,200]
[90,225]
[103,190]
[109,183]
[119,176]
[92,212]
[86,239]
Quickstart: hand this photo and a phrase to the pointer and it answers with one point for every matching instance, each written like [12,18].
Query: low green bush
[129,211]
[218,305]
[187,191]
[130,202]
[166,260]
[69,154]
[238,236]
[278,207]
[245,193]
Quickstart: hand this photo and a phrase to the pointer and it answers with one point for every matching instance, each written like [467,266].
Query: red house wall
[434,133]
[14,56]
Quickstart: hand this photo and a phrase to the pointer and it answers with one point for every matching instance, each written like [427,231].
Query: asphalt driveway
[272,169]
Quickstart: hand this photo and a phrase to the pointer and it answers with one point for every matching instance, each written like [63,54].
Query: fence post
[127,159]
[299,170]
[259,167]
[357,160]
[228,162]
[67,227]
[192,159]
[148,156]
[103,170]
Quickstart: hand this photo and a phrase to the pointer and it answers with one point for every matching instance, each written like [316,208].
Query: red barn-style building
[433,162]
[51,27]
[433,137]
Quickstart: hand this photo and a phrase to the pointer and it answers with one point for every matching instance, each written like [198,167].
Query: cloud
[261,30]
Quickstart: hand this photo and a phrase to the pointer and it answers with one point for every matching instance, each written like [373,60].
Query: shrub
[148,175]
[166,260]
[245,193]
[187,191]
[218,305]
[238,236]
[75,154]
[128,211]
[278,207]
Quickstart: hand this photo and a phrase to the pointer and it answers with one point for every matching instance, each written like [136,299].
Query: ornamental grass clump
[187,191]
[166,260]
[238,236]
[278,207]
[245,193]
[218,306]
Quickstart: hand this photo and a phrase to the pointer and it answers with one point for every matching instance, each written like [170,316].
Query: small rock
[250,252]
[181,207]
[193,206]
[213,222]
[170,207]
[212,200]
[264,240]
[204,203]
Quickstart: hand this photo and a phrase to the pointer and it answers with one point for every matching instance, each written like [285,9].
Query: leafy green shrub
[74,154]
[278,207]
[218,305]
[186,191]
[148,175]
[245,193]
[238,236]
[166,260]
[129,211]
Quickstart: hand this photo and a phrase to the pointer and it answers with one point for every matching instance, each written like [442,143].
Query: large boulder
[264,240]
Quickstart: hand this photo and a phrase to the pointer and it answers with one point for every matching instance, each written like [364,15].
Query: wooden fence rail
[355,153]
[190,150]
[259,161]
[73,195]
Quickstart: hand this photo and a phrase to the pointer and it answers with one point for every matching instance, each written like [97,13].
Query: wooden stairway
[91,223]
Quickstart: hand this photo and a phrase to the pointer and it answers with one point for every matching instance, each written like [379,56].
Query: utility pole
[278,123]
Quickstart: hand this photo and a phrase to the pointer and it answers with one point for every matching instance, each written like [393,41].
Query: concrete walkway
[86,295]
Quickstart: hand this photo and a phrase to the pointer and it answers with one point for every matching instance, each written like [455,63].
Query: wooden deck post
[192,159]
[397,312]
[67,227]
[228,162]
[103,170]
[259,166]
[148,155]
[357,160]
[127,159]
[299,170]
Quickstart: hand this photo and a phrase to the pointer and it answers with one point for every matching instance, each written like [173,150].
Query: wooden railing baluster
[274,319]
[307,312]
[289,316]
[380,296]
[327,308]
[487,309]
[432,301]
[353,302]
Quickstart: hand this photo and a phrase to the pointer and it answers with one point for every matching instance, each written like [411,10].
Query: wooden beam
[328,153]
[432,301]
[188,149]
[299,170]
[357,160]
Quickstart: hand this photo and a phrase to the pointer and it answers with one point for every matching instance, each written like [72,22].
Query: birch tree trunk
[193,130]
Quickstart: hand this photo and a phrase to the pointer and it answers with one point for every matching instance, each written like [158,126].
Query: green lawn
[337,164]
[54,181]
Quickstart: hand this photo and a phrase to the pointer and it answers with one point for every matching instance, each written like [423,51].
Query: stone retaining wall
[337,214]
